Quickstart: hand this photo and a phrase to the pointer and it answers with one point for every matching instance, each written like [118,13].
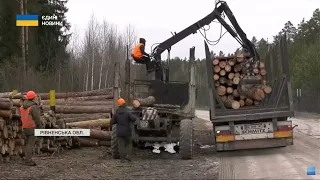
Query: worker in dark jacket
[124,119]
[139,54]
[30,118]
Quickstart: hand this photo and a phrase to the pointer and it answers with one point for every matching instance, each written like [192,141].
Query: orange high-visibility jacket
[136,51]
[26,118]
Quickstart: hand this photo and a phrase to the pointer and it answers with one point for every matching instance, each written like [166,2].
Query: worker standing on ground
[139,54]
[30,118]
[124,119]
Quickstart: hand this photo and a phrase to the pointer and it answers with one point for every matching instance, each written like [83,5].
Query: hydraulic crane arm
[237,32]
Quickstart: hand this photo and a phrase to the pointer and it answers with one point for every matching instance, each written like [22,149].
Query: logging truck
[247,116]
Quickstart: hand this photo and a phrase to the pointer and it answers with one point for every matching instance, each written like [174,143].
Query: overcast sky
[155,20]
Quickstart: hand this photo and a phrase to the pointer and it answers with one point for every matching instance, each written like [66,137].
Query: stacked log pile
[90,109]
[227,75]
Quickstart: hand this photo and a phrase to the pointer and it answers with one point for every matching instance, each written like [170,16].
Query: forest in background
[49,57]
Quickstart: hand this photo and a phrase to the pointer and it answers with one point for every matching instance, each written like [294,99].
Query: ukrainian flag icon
[27,20]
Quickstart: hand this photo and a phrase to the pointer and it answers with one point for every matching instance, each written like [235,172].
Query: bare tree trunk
[87,78]
[92,68]
[23,48]
[26,32]
[100,74]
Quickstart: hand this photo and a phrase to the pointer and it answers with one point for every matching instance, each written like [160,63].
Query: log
[100,134]
[104,143]
[231,75]
[261,65]
[82,103]
[215,62]
[230,97]
[232,104]
[267,89]
[149,101]
[236,80]
[75,99]
[254,93]
[237,68]
[78,119]
[6,104]
[248,102]
[235,93]
[242,103]
[19,142]
[222,64]
[88,142]
[229,82]
[221,90]
[222,72]
[223,80]
[216,77]
[6,95]
[263,72]
[108,91]
[229,90]
[82,109]
[103,123]
[17,102]
[6,113]
[232,61]
[237,75]
[227,68]
[95,116]
[256,103]
[217,83]
[240,57]
[216,69]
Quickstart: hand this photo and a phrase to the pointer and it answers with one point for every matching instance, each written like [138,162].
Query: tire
[186,139]
[114,143]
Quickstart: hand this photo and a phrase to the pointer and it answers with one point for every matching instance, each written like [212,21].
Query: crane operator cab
[141,57]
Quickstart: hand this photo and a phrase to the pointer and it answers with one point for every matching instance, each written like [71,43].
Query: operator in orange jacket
[30,118]
[139,54]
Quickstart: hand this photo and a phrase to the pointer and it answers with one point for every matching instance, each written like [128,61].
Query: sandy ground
[289,162]
[94,163]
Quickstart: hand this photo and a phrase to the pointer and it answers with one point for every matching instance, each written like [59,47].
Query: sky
[155,20]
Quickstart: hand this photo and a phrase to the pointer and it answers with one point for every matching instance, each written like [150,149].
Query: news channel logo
[34,20]
[311,170]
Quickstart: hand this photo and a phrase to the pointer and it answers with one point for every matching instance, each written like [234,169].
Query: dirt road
[275,163]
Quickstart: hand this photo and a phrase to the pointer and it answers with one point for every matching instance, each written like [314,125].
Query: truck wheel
[114,143]
[186,139]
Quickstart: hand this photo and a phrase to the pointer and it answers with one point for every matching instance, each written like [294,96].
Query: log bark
[6,95]
[93,117]
[248,102]
[82,103]
[149,101]
[19,142]
[88,142]
[103,123]
[254,93]
[83,109]
[6,113]
[6,104]
[108,91]
[100,134]
[17,102]
[86,98]
[232,104]
[104,143]
[97,115]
